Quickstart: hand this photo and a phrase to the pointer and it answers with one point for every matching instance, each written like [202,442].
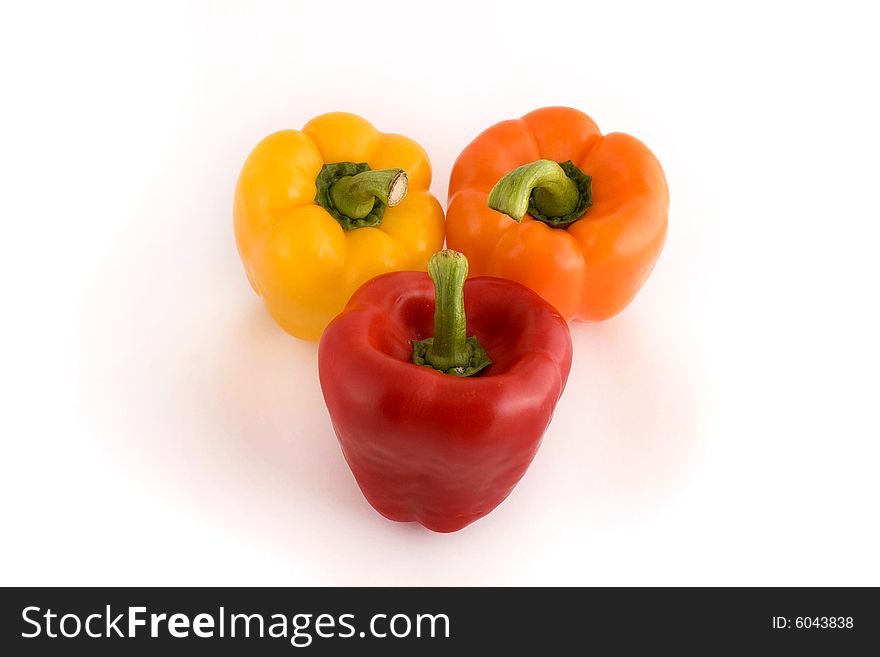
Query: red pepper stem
[450,350]
[448,269]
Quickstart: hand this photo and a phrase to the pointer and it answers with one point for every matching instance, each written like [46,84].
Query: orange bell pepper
[549,202]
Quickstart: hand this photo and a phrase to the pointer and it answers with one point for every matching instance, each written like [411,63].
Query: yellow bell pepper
[319,212]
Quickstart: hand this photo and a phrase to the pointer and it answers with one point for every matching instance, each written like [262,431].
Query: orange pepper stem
[556,193]
[355,195]
[450,350]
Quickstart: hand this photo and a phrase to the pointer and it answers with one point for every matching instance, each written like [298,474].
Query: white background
[158,428]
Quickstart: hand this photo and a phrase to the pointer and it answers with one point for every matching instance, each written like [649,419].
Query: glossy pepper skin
[591,268]
[297,256]
[424,445]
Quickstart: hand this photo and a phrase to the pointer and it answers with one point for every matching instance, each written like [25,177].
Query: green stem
[557,194]
[355,195]
[448,269]
[450,350]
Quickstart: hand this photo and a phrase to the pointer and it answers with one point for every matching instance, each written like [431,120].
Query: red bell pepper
[432,429]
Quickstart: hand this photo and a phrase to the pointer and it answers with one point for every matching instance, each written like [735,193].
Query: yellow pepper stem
[355,195]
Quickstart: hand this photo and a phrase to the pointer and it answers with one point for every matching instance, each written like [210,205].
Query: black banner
[115,621]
